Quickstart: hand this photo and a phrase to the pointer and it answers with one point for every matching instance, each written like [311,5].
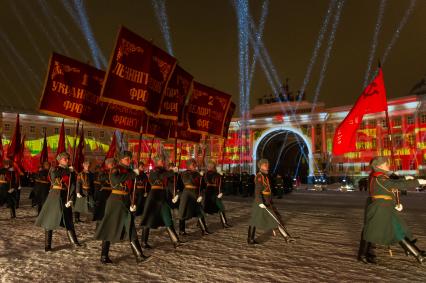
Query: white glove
[11,190]
[220,195]
[136,171]
[145,195]
[133,208]
[202,173]
[261,205]
[422,181]
[79,195]
[399,207]
[19,188]
[175,199]
[68,204]
[199,199]
[71,168]
[175,169]
[409,177]
[11,169]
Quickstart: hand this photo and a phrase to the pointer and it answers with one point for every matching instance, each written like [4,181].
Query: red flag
[79,155]
[15,145]
[112,148]
[44,155]
[61,142]
[372,99]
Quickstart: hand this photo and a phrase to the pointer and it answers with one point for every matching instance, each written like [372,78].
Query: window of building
[89,133]
[32,129]
[101,134]
[56,131]
[6,127]
[410,120]
[397,122]
[423,118]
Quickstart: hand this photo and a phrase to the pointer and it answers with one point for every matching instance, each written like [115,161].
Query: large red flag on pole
[15,145]
[44,155]
[61,142]
[372,99]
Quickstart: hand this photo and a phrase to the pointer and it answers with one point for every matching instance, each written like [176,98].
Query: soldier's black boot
[203,226]
[366,252]
[286,235]
[408,246]
[251,235]
[145,236]
[173,236]
[72,237]
[182,228]
[137,251]
[223,220]
[12,212]
[77,217]
[48,240]
[105,251]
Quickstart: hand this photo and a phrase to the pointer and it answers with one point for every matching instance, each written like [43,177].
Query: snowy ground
[328,224]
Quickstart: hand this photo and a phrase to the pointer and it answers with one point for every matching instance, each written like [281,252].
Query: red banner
[123,118]
[174,98]
[228,119]
[138,73]
[158,127]
[72,90]
[207,109]
[182,133]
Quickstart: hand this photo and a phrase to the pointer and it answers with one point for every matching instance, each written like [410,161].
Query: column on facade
[324,139]
[313,138]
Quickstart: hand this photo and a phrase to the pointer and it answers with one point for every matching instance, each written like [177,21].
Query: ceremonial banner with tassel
[137,74]
[157,127]
[207,108]
[72,90]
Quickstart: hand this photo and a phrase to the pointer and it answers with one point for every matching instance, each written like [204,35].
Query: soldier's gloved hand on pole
[399,207]
[79,195]
[136,170]
[220,195]
[409,177]
[19,188]
[422,181]
[11,190]
[133,208]
[202,173]
[71,168]
[175,199]
[262,205]
[68,204]
[199,199]
[175,169]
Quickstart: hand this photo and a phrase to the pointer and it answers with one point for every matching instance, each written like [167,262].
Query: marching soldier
[263,214]
[157,211]
[213,194]
[142,189]
[118,222]
[190,202]
[85,190]
[7,189]
[102,188]
[57,210]
[42,186]
[382,224]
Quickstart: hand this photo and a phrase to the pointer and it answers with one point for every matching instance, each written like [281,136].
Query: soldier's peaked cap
[262,161]
[62,155]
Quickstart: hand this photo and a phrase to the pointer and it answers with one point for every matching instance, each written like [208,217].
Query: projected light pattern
[161,14]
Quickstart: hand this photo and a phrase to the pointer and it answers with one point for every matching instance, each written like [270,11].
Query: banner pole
[73,158]
[392,161]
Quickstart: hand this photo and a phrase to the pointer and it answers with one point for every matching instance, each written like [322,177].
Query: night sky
[205,42]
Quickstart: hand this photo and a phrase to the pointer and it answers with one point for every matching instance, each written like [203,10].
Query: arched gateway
[288,150]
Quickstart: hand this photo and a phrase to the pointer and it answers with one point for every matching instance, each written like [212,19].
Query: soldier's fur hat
[211,164]
[377,161]
[190,162]
[62,155]
[262,161]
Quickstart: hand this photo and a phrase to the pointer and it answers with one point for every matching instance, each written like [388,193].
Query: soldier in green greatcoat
[42,186]
[213,183]
[85,189]
[190,200]
[263,213]
[157,212]
[382,223]
[57,210]
[142,189]
[118,222]
[7,189]
[102,188]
